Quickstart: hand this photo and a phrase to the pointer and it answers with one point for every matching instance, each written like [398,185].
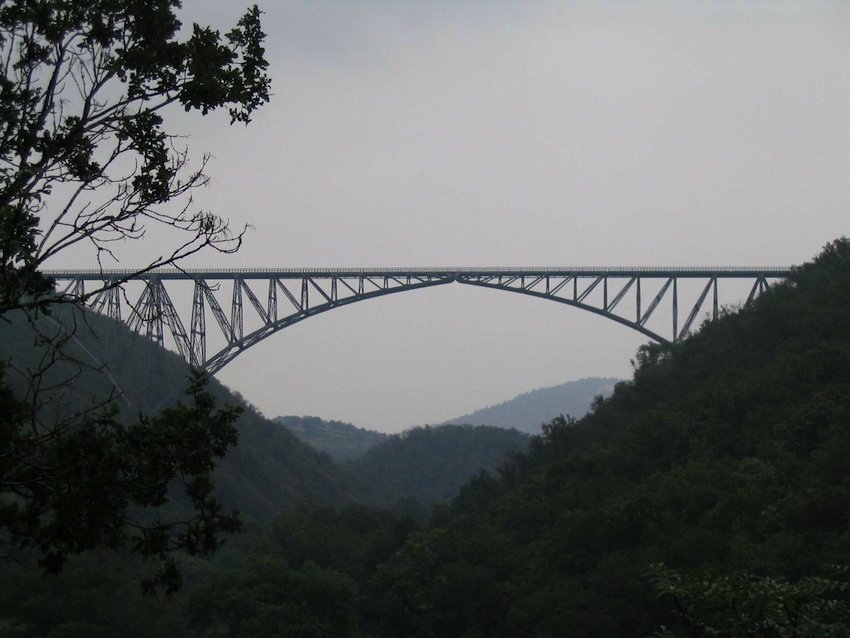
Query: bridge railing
[226,273]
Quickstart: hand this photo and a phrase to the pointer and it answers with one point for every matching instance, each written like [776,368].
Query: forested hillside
[730,451]
[528,412]
[342,441]
[429,464]
[268,469]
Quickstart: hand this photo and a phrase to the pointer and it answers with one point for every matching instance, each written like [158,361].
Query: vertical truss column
[715,306]
[675,308]
[148,311]
[272,300]
[605,293]
[113,303]
[78,288]
[198,346]
[134,322]
[637,301]
[153,312]
[236,310]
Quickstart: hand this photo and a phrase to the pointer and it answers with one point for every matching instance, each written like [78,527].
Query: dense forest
[707,496]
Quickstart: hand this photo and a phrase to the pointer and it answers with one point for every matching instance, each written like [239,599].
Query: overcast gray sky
[488,133]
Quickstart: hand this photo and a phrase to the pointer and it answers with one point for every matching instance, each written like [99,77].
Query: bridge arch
[633,297]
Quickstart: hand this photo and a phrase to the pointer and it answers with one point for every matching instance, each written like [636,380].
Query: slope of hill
[98,593]
[267,470]
[342,441]
[729,451]
[528,412]
[429,464]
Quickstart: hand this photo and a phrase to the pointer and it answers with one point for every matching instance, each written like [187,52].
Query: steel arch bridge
[649,300]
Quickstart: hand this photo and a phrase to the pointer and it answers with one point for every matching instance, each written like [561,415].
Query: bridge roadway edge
[106,274]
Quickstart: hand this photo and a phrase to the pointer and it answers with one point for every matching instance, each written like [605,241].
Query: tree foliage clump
[309,578]
[96,484]
[85,156]
[749,606]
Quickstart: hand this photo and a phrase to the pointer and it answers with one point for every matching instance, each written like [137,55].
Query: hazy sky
[489,133]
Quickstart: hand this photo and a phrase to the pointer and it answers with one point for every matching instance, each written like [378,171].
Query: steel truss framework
[645,299]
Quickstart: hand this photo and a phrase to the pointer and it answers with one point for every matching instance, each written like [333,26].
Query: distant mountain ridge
[527,412]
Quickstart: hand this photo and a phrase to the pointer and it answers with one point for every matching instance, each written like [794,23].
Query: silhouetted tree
[84,153]
[86,158]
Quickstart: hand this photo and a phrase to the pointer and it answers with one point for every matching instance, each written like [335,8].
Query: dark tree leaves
[82,97]
[96,483]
